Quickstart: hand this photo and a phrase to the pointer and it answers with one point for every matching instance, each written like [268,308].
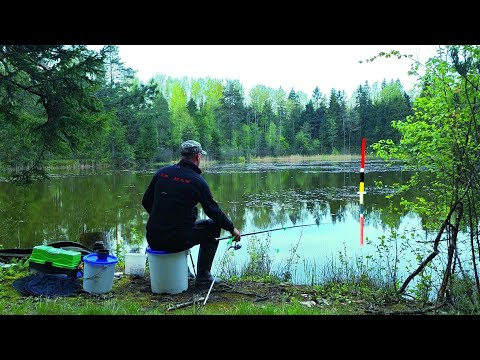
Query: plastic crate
[48,259]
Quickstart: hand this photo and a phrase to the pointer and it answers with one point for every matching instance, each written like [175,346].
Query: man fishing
[171,199]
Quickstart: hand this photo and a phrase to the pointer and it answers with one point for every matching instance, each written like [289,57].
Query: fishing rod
[263,231]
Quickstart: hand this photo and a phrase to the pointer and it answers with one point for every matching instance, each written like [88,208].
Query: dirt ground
[227,293]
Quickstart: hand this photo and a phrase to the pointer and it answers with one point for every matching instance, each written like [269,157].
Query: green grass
[348,288]
[60,306]
[121,302]
[246,308]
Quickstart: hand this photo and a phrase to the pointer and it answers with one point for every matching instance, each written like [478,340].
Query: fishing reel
[237,246]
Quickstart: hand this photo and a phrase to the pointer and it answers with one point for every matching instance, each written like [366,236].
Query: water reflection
[256,197]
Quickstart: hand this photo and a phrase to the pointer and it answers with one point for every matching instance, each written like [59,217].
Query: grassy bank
[253,292]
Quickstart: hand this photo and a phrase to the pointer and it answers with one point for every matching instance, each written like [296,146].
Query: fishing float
[361,191]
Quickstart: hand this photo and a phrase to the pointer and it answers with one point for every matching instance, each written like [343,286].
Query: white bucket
[135,264]
[168,271]
[98,273]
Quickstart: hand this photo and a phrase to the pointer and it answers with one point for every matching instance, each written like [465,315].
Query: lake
[256,197]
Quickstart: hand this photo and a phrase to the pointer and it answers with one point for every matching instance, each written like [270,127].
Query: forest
[72,105]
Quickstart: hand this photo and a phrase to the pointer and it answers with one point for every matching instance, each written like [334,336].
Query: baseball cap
[191,147]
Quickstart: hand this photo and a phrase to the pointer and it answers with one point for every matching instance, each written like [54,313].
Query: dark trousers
[203,233]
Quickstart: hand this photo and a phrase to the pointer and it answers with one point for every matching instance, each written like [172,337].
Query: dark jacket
[171,197]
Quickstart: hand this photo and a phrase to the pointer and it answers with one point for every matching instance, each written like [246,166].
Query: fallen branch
[185,304]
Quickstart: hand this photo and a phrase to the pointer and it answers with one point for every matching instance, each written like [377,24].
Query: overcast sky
[301,67]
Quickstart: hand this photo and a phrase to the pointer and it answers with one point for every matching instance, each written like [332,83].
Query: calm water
[255,197]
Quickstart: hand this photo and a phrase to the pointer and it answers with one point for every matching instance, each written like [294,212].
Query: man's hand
[237,234]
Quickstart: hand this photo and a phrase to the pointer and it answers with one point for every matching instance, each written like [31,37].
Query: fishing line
[263,231]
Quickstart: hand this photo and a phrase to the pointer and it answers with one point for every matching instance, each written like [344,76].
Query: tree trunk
[434,252]
[451,250]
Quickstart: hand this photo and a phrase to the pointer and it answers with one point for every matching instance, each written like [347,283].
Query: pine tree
[59,83]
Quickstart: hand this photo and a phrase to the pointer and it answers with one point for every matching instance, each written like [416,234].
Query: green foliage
[461,297]
[303,143]
[260,262]
[390,250]
[355,275]
[15,268]
[288,270]
[424,286]
[433,138]
[136,239]
[98,112]
[62,81]
[439,142]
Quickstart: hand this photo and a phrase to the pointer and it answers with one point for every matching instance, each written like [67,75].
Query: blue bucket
[98,273]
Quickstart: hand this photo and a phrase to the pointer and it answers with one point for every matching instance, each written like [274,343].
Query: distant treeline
[75,104]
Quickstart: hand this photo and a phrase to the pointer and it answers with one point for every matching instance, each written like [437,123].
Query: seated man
[171,199]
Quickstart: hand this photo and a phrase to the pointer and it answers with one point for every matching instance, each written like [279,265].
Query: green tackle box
[48,259]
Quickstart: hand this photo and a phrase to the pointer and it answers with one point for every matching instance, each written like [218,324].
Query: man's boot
[206,253]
